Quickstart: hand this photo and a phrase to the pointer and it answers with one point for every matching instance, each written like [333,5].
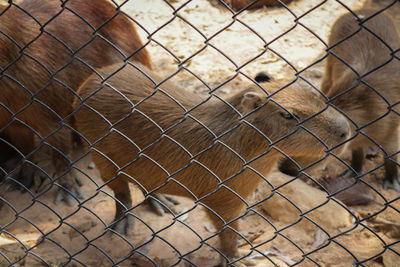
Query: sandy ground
[217,50]
[212,47]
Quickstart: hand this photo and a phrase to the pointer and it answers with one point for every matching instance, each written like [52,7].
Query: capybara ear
[251,100]
[262,77]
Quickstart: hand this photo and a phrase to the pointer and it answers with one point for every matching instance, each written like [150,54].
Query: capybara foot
[124,225]
[392,184]
[19,175]
[162,203]
[69,189]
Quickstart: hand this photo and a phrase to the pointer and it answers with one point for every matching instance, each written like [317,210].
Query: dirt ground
[75,236]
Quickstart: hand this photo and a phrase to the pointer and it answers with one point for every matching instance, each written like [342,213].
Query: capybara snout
[330,127]
[303,118]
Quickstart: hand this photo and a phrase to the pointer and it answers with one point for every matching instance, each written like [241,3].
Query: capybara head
[298,121]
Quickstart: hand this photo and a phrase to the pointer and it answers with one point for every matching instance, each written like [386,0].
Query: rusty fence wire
[120,149]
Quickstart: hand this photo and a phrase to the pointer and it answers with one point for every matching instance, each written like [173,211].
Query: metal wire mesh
[106,106]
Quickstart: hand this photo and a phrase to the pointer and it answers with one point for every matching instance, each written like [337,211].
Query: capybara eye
[287,115]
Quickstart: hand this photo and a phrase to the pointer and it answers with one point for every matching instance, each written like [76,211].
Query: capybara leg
[10,172]
[123,222]
[67,179]
[391,178]
[229,243]
[229,248]
[357,162]
[17,143]
[228,207]
[69,190]
[56,162]
[357,159]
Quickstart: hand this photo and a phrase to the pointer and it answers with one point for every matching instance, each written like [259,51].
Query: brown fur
[239,4]
[28,74]
[127,115]
[365,52]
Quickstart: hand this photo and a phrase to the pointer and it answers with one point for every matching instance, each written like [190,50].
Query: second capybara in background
[144,134]
[240,4]
[47,49]
[362,79]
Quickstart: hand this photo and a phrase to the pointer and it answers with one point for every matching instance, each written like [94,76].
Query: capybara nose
[342,130]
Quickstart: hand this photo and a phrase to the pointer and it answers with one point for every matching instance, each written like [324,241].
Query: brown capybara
[47,49]
[240,4]
[362,78]
[214,152]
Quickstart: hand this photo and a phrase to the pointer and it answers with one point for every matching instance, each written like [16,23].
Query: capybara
[240,4]
[169,141]
[362,78]
[47,49]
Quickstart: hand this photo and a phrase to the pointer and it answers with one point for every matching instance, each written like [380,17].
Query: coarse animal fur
[362,78]
[47,49]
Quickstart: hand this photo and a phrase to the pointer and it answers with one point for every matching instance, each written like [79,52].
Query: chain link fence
[199,133]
